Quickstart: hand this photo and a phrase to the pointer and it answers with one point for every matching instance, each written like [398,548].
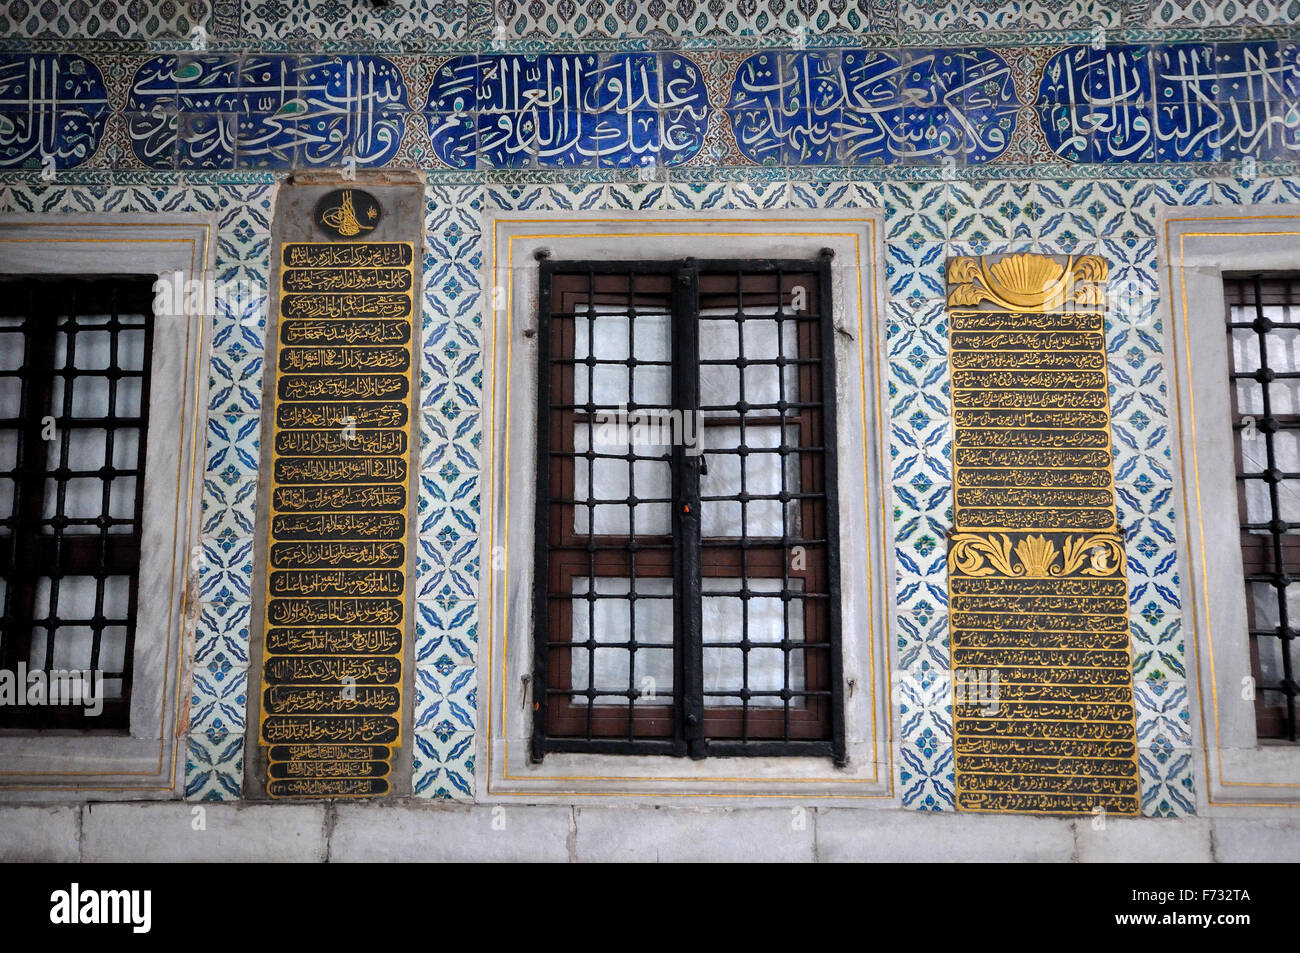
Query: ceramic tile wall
[142,125]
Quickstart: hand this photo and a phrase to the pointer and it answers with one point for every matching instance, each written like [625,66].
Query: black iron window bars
[1264,330]
[74,399]
[686,596]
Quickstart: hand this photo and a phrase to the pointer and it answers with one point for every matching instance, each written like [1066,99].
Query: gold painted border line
[1195,481]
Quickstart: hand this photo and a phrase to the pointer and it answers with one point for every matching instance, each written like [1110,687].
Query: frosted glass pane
[39,646]
[1264,597]
[1283,348]
[72,647]
[86,448]
[652,386]
[117,597]
[720,340]
[719,385]
[722,518]
[1250,397]
[126,449]
[1254,455]
[1284,395]
[724,621]
[89,397]
[611,384]
[76,598]
[83,498]
[613,480]
[1270,668]
[611,620]
[1258,503]
[1286,450]
[130,349]
[608,338]
[1288,500]
[94,350]
[12,348]
[128,397]
[91,348]
[112,658]
[122,501]
[1245,346]
[11,397]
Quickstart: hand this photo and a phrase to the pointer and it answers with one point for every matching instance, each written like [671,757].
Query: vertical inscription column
[336,561]
[1038,601]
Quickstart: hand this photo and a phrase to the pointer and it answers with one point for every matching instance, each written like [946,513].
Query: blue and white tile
[214,765]
[443,763]
[218,695]
[221,635]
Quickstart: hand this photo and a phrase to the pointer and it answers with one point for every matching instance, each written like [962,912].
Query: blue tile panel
[862,107]
[581,111]
[52,110]
[1193,102]
[1118,104]
[258,111]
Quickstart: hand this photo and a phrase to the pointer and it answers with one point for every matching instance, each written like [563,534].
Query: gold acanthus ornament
[1034,557]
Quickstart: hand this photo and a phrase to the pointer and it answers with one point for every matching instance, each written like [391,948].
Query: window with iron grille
[1264,325]
[687,563]
[74,398]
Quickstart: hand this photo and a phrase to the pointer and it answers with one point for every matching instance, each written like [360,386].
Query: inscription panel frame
[1051,726]
[401,198]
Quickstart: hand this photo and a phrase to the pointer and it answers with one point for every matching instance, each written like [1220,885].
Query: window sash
[35,545]
[1269,541]
[684,724]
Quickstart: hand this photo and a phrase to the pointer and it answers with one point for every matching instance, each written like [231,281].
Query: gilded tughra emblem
[347,213]
[1038,599]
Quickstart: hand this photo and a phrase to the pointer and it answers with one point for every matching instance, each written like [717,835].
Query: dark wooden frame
[686,726]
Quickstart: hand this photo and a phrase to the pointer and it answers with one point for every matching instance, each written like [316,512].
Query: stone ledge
[424,831]
[228,832]
[922,837]
[686,835]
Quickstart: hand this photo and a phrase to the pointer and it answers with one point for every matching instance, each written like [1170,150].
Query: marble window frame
[147,760]
[509,275]
[1198,245]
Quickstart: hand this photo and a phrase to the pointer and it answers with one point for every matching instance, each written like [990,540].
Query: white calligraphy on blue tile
[52,110]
